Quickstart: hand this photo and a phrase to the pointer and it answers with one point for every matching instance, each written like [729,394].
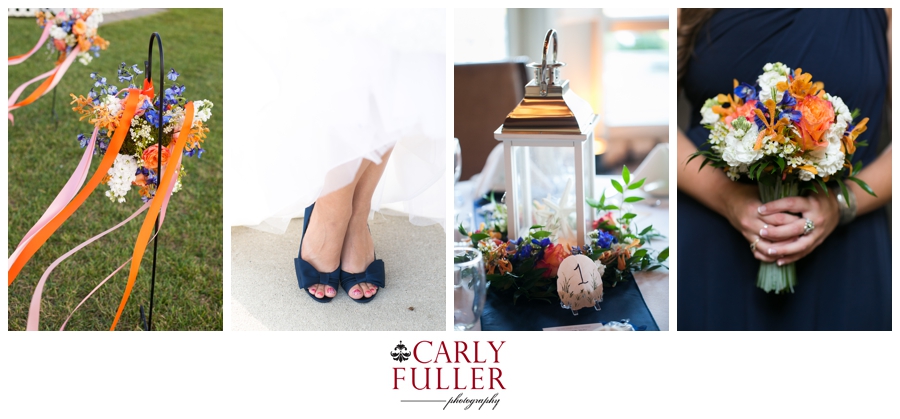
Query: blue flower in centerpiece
[745,91]
[112,90]
[93,75]
[82,140]
[173,75]
[134,67]
[605,240]
[96,50]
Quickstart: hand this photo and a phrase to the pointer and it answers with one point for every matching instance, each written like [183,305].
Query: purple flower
[173,75]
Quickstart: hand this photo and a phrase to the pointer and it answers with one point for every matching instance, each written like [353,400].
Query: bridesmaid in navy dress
[844,278]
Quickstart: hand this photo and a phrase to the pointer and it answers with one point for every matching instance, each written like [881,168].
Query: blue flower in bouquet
[605,239]
[173,75]
[746,92]
[82,140]
[152,116]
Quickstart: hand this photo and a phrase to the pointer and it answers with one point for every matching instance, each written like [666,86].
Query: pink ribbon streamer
[35,307]
[63,67]
[74,184]
[22,58]
[34,310]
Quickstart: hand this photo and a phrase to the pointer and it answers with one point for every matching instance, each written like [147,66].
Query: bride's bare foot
[320,248]
[358,253]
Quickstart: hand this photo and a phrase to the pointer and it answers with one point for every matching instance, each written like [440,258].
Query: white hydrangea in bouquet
[787,134]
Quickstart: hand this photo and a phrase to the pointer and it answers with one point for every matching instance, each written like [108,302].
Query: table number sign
[580,283]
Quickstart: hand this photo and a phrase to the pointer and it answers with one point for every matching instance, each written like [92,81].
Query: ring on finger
[808,227]
[753,245]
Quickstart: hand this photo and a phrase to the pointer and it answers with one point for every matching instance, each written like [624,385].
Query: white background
[282,374]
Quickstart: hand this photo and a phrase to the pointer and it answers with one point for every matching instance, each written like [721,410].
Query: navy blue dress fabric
[845,283]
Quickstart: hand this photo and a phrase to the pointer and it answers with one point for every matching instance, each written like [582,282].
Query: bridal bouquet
[787,134]
[75,29]
[528,266]
[137,161]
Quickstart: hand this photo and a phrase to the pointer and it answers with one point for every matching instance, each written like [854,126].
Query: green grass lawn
[43,153]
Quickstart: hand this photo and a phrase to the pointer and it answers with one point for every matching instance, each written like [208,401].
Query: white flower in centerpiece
[709,116]
[733,173]
[739,143]
[113,104]
[121,175]
[555,218]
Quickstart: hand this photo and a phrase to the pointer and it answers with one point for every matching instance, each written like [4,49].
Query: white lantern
[548,145]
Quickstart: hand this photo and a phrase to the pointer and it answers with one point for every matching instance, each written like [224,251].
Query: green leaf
[654,267]
[780,162]
[705,162]
[822,184]
[626,176]
[603,198]
[610,208]
[856,168]
[536,227]
[863,185]
[477,237]
[645,231]
[640,253]
[663,255]
[541,234]
[617,185]
[633,199]
[629,216]
[462,230]
[844,191]
[637,184]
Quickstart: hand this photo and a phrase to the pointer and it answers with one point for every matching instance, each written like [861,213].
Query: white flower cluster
[739,143]
[141,133]
[709,116]
[121,175]
[771,76]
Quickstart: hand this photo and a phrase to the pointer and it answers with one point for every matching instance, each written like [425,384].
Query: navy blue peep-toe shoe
[308,276]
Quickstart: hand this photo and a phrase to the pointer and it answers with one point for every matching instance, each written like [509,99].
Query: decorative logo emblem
[400,353]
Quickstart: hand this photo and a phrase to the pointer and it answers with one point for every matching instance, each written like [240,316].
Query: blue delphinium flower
[82,140]
[152,116]
[134,67]
[745,91]
[112,90]
[605,240]
[173,75]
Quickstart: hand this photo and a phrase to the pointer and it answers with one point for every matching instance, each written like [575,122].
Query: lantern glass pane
[541,173]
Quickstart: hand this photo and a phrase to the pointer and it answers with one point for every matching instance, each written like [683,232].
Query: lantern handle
[545,71]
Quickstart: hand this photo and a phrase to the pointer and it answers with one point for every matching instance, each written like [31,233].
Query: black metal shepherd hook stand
[158,93]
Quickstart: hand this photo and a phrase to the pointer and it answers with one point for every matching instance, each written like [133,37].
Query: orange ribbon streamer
[147,228]
[41,237]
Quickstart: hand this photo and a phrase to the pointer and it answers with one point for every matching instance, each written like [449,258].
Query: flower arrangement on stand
[136,164]
[72,30]
[787,134]
[527,267]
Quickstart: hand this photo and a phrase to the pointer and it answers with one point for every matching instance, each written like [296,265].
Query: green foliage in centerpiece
[527,266]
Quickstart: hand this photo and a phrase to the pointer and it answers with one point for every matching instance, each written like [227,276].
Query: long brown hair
[689,23]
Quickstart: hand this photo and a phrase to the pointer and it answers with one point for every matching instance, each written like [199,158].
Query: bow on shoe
[309,276]
[374,274]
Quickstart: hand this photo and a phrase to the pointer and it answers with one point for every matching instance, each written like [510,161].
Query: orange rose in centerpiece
[553,256]
[818,115]
[150,154]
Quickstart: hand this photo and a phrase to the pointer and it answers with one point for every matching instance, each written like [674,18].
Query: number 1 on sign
[578,268]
